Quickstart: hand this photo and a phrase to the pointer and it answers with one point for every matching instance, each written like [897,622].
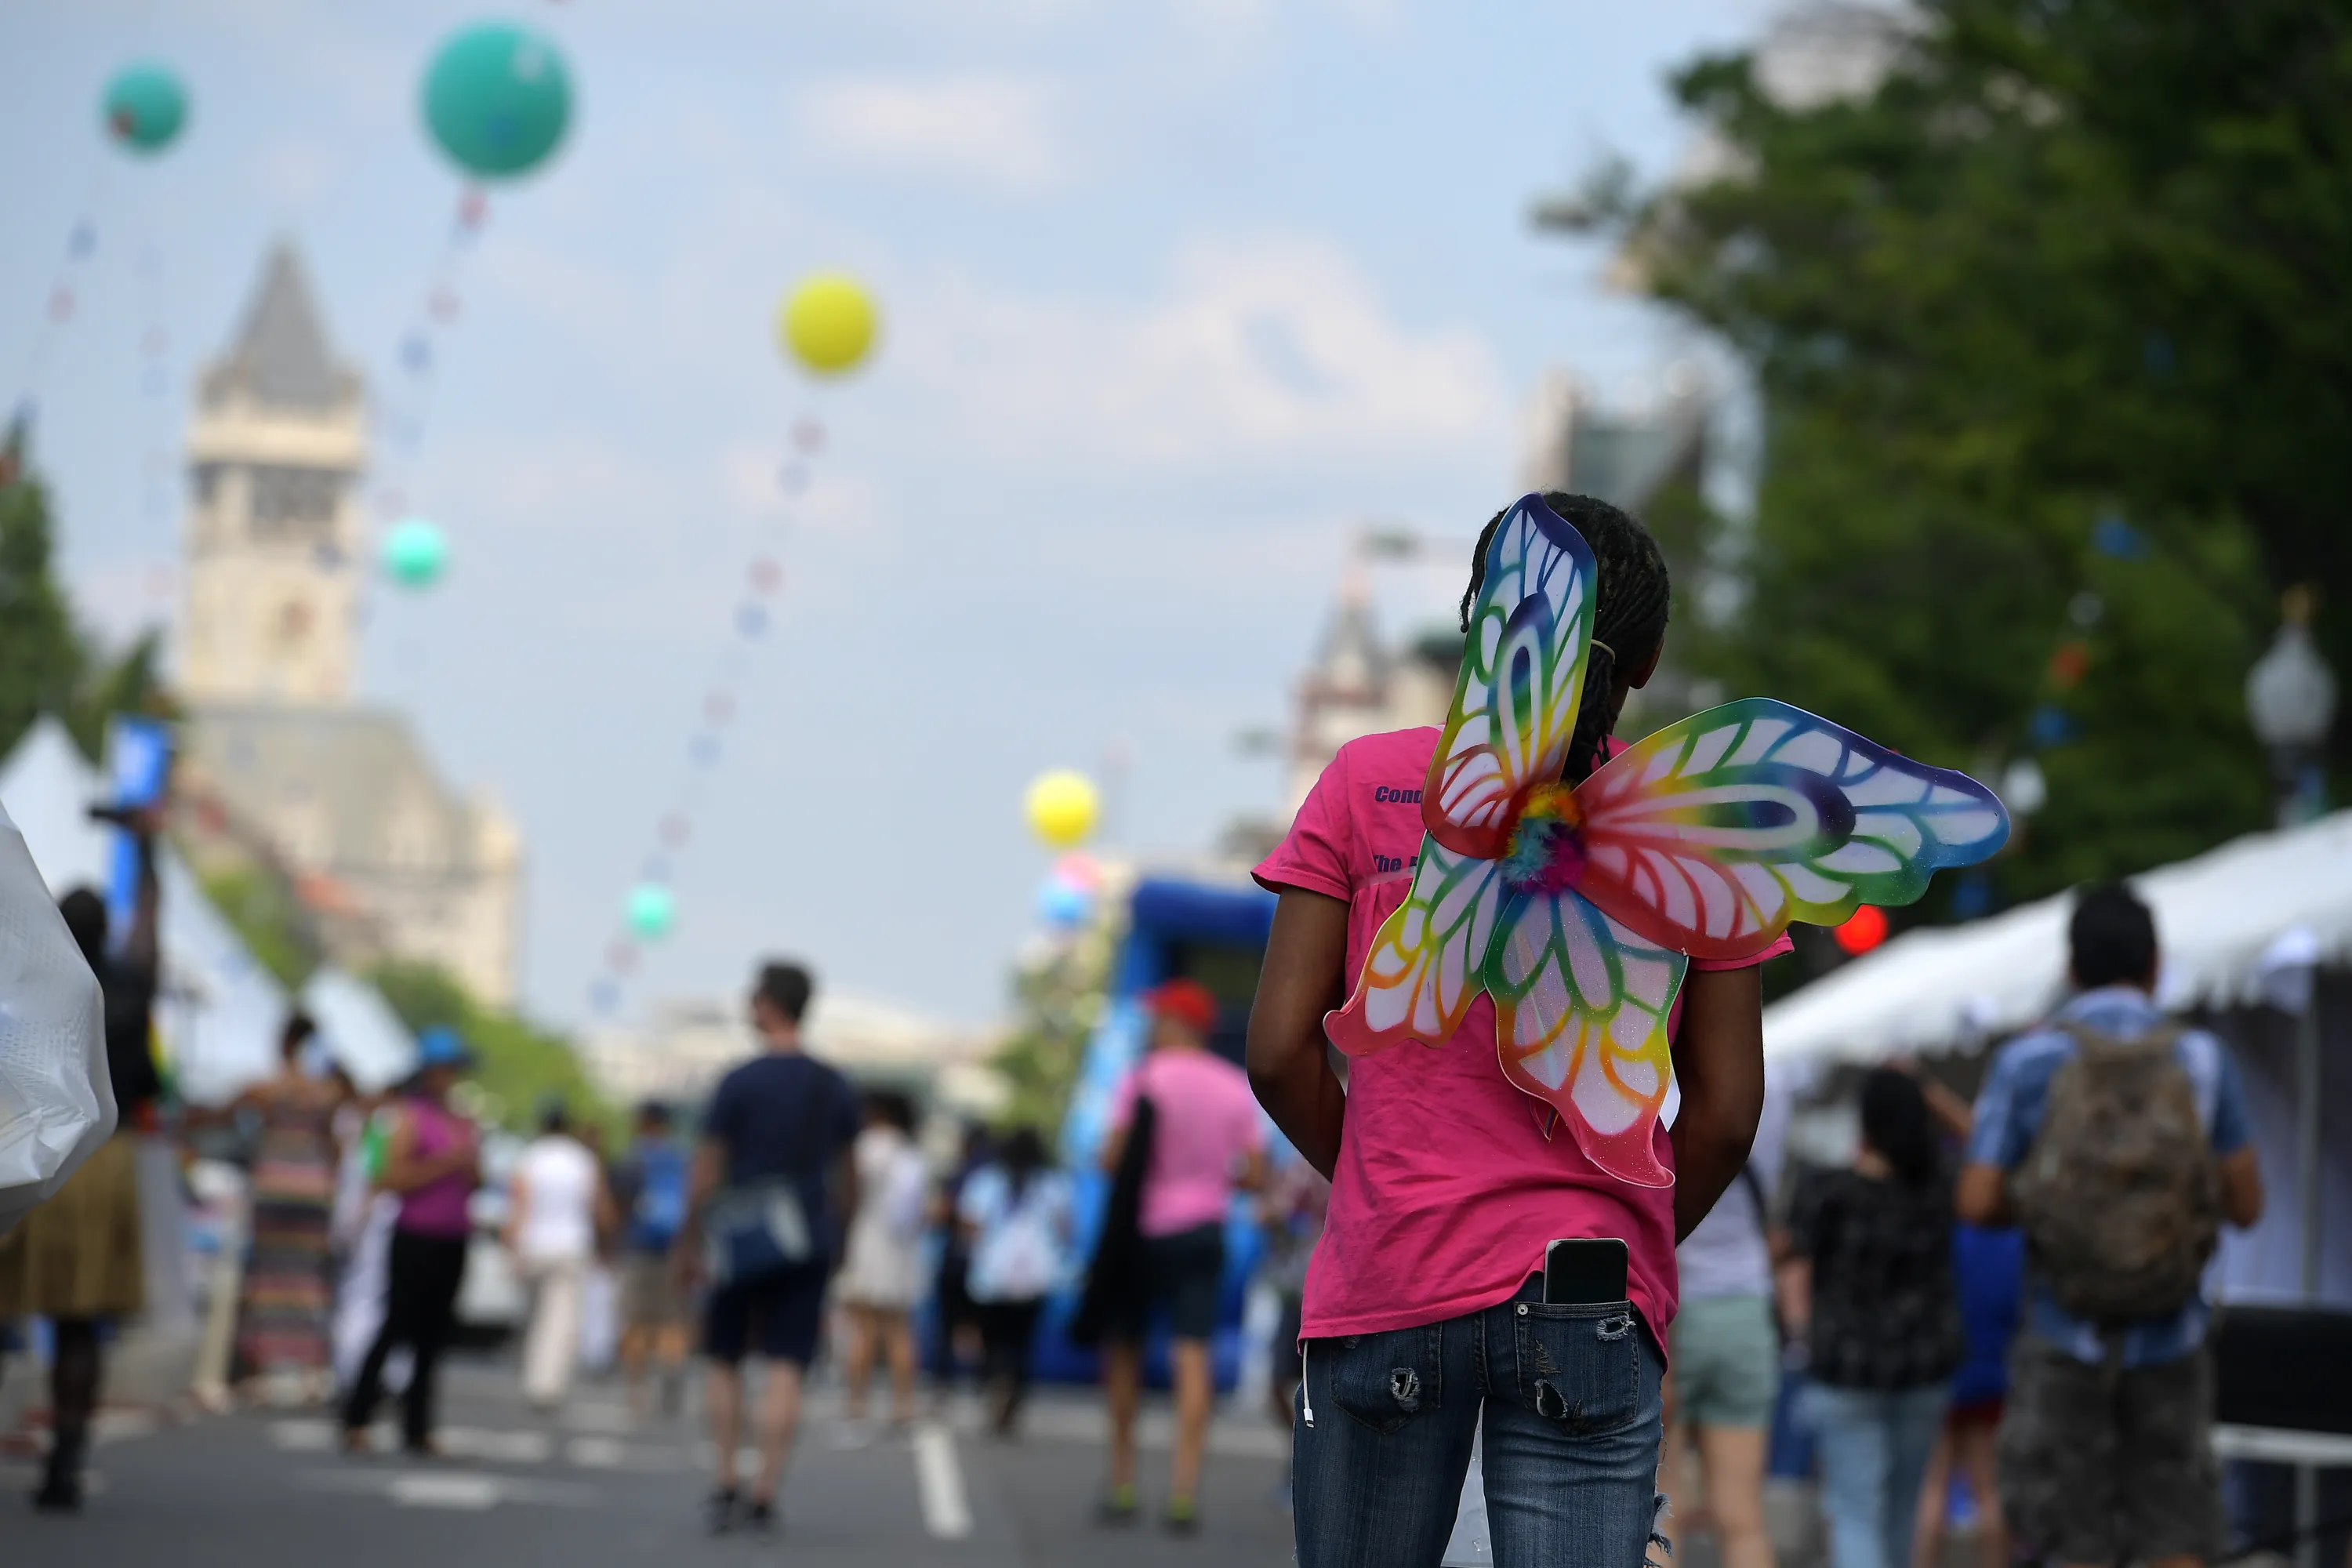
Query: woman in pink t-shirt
[1423,1307]
[1207,1142]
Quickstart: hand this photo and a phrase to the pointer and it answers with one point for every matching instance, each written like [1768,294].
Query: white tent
[361,1030]
[220,1011]
[2219,916]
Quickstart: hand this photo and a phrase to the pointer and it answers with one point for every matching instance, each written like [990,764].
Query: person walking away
[76,1259]
[1016,1216]
[1987,1263]
[774,1142]
[651,1200]
[1874,1241]
[284,1306]
[553,1198]
[1726,1344]
[2118,1143]
[1424,1325]
[882,1269]
[1290,1214]
[1205,1143]
[432,1163]
[955,1318]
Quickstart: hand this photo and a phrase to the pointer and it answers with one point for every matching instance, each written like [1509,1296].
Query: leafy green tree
[42,659]
[2054,361]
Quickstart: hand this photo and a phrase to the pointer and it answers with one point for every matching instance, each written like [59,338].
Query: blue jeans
[1568,1397]
[1873,1446]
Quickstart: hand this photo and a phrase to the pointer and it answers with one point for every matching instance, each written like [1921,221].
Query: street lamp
[2291,699]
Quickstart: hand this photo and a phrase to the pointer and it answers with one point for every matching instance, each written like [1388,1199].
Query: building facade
[394,863]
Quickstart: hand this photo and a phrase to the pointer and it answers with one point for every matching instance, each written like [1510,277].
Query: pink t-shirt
[1206,1120]
[1447,1187]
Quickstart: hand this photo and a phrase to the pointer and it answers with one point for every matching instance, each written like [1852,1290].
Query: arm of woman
[517,1206]
[1305,976]
[1719,1064]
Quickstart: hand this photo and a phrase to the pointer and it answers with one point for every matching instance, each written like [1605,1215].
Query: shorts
[775,1319]
[1727,1362]
[1184,1273]
[2097,1467]
[650,1297]
[1975,1413]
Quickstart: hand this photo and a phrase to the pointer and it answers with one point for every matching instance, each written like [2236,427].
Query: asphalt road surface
[588,1487]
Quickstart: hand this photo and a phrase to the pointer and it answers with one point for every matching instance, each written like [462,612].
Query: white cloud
[1262,350]
[994,130]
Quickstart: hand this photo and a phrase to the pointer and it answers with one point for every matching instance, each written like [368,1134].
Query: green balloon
[496,99]
[416,553]
[145,106]
[652,911]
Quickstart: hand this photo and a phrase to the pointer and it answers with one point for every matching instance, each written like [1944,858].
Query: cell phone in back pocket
[1584,1268]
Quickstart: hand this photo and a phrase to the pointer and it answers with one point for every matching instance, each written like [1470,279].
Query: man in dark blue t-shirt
[785,1115]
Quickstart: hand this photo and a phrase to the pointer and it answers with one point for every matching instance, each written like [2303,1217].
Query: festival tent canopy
[2238,924]
[220,1010]
[360,1028]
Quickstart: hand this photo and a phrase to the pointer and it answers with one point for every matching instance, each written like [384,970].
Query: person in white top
[1016,1211]
[882,1273]
[555,1200]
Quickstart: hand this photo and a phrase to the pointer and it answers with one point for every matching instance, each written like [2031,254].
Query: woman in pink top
[433,1161]
[1206,1143]
[1423,1306]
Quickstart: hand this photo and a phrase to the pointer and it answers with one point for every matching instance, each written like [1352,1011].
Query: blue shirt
[2008,1114]
[785,1114]
[656,1184]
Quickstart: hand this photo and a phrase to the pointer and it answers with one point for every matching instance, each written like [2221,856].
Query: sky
[1178,296]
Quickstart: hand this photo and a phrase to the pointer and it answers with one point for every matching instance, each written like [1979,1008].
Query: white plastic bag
[56,1101]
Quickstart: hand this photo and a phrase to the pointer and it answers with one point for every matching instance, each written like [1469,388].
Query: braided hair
[1630,604]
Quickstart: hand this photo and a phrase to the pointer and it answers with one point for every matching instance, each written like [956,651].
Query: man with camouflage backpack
[2118,1141]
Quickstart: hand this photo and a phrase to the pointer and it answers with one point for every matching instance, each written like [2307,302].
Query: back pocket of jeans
[1580,1365]
[1381,1380]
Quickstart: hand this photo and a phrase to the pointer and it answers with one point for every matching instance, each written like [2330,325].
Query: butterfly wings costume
[1577,909]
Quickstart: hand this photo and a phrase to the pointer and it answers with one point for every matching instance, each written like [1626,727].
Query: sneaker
[720,1510]
[60,1493]
[1119,1506]
[760,1519]
[1183,1518]
[853,1435]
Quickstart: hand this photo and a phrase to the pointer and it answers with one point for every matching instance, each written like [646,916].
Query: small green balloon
[496,99]
[416,553]
[652,910]
[145,106]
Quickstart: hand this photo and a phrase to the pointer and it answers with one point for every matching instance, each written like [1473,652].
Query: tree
[42,659]
[47,664]
[2053,363]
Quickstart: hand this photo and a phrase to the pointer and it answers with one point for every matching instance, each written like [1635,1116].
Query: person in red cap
[1206,1140]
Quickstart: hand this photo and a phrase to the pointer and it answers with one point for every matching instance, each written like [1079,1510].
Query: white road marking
[474,1493]
[938,1481]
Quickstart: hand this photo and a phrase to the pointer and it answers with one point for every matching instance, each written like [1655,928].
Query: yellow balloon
[828,323]
[1062,807]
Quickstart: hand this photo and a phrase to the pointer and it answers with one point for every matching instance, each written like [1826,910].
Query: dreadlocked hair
[1630,604]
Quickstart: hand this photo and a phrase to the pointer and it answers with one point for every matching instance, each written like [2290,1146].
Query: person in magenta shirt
[1207,1142]
[1447,1182]
[433,1160]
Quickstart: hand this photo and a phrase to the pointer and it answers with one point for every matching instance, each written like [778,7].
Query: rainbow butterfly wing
[1715,833]
[1522,673]
[1581,1011]
[1423,972]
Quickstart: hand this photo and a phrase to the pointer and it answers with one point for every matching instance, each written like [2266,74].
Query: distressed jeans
[1567,1398]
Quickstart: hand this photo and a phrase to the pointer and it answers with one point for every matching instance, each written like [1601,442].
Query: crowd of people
[1999,1299]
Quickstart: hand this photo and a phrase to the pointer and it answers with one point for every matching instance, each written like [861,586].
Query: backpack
[2120,1195]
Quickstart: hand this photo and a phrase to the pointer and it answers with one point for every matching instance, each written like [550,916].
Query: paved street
[257,1490]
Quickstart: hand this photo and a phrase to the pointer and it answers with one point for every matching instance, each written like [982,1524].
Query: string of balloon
[827,324]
